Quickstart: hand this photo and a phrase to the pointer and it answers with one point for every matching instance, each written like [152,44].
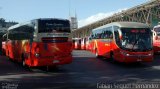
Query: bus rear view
[54,42]
[40,42]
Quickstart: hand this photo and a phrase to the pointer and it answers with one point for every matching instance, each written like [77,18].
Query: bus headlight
[36,54]
[124,53]
[150,54]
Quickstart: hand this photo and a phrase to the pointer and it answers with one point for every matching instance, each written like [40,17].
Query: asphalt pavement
[85,72]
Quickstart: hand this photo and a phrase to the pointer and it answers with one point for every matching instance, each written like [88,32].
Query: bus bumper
[139,57]
[156,49]
[51,61]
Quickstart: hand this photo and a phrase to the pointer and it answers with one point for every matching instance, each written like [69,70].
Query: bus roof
[125,25]
[21,24]
[157,26]
[17,25]
[51,19]
[131,25]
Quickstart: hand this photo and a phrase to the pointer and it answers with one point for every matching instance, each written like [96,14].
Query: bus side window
[92,36]
[116,35]
[98,35]
[102,35]
[105,35]
[110,35]
[4,38]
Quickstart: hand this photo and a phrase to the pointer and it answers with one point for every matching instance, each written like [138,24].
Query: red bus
[156,39]
[77,43]
[88,43]
[83,43]
[4,38]
[123,41]
[40,42]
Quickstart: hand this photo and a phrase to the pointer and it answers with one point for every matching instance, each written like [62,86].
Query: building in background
[73,22]
[5,25]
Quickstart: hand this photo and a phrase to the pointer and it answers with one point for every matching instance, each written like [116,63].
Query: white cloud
[97,17]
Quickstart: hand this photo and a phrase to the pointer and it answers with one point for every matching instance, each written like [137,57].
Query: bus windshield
[157,30]
[53,25]
[136,39]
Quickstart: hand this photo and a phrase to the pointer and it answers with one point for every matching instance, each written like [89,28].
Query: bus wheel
[8,53]
[98,56]
[23,61]
[3,52]
[112,56]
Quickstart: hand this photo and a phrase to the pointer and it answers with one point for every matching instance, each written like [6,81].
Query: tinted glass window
[138,39]
[27,28]
[157,30]
[103,33]
[22,32]
[53,25]
[20,36]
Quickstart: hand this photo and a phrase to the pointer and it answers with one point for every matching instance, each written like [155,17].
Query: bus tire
[112,56]
[98,56]
[23,60]
[3,52]
[8,53]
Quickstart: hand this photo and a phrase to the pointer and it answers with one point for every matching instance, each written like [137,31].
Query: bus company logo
[58,34]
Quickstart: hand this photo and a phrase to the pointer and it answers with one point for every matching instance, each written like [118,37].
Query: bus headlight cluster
[150,54]
[36,54]
[124,53]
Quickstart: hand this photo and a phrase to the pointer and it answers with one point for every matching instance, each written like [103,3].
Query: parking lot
[86,71]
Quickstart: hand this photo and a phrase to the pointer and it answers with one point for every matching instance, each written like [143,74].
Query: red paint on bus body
[48,51]
[156,39]
[107,41]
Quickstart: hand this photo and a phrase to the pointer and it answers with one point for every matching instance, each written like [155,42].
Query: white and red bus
[40,42]
[83,43]
[88,40]
[123,41]
[77,43]
[4,38]
[156,39]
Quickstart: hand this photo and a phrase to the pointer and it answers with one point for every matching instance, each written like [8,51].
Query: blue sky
[87,10]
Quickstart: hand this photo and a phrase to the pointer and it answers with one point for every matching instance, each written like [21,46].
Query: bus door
[116,43]
[109,43]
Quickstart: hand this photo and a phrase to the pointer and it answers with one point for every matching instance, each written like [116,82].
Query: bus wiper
[135,42]
[143,43]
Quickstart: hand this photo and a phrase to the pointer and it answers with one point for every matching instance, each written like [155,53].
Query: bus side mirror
[120,34]
[120,37]
[156,37]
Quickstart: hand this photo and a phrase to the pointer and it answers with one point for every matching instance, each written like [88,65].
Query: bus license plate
[139,60]
[55,61]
